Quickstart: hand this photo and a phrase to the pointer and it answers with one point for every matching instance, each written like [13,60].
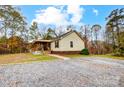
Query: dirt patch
[22,57]
[13,58]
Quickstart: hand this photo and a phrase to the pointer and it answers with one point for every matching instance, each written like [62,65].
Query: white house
[70,42]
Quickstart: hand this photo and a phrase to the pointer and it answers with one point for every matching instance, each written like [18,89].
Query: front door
[46,47]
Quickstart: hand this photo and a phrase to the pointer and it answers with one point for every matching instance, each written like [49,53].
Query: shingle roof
[60,37]
[66,34]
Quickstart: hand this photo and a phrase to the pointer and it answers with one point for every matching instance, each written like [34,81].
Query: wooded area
[15,32]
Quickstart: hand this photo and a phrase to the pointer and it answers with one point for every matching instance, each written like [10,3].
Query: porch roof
[48,41]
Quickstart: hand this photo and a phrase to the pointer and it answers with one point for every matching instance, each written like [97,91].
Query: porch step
[58,56]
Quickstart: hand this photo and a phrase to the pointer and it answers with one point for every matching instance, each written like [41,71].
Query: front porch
[42,46]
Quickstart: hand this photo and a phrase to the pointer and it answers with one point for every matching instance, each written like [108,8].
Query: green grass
[104,56]
[24,58]
[42,57]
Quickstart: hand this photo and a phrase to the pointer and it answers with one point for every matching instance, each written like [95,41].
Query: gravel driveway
[79,72]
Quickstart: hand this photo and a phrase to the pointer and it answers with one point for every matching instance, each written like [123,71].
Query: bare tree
[96,28]
[85,31]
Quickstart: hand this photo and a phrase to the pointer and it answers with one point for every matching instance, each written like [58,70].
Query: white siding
[64,44]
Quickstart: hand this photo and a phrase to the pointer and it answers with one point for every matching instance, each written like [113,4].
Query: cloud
[96,12]
[59,15]
[51,15]
[76,12]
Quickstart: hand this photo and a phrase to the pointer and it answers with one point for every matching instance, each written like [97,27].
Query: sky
[67,14]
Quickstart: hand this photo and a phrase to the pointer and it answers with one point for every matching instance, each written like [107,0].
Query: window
[71,44]
[56,44]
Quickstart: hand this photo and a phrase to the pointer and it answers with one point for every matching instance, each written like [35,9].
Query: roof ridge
[68,33]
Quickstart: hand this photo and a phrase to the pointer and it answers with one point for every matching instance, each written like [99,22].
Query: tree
[51,33]
[5,16]
[116,21]
[17,24]
[33,31]
[16,43]
[95,29]
[85,33]
[12,21]
[70,27]
[59,30]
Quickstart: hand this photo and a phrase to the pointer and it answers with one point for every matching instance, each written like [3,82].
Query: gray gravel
[77,72]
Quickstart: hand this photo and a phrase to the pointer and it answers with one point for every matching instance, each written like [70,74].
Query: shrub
[118,52]
[85,51]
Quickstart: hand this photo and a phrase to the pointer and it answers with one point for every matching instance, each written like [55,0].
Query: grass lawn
[105,56]
[23,58]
